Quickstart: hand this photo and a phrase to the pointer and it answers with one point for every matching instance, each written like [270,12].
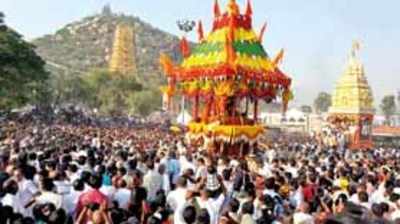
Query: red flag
[249,10]
[278,57]
[217,11]
[185,49]
[200,31]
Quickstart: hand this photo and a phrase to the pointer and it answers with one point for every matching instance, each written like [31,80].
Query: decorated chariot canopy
[228,68]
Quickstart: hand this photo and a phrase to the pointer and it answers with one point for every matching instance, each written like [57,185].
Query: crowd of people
[61,173]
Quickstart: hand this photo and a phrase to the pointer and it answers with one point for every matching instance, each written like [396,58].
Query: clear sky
[316,34]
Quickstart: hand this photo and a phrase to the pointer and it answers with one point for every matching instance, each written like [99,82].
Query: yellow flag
[278,58]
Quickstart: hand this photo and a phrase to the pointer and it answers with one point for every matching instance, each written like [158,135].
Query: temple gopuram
[123,57]
[226,76]
[352,109]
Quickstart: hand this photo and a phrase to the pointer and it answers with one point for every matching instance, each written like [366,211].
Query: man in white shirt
[166,185]
[122,194]
[296,196]
[47,195]
[292,169]
[63,186]
[152,181]
[26,188]
[176,199]
[213,205]
[247,213]
[396,213]
[201,170]
[71,199]
[11,198]
[186,163]
[96,142]
[72,172]
[361,198]
[380,195]
[302,216]
[109,190]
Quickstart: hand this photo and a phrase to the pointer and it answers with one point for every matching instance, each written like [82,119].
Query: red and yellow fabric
[201,60]
[224,88]
[224,70]
[231,133]
[231,49]
[191,88]
[254,63]
[167,65]
[169,90]
[238,22]
[175,129]
[349,117]
[227,88]
[240,34]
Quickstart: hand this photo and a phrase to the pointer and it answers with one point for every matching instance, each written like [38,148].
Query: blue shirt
[173,167]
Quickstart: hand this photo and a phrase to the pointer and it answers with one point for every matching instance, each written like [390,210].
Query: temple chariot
[352,109]
[226,76]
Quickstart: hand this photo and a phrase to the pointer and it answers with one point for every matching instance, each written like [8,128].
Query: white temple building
[183,118]
[293,120]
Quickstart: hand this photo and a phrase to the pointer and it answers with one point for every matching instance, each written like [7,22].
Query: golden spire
[354,66]
[123,58]
[233,8]
[355,47]
[353,93]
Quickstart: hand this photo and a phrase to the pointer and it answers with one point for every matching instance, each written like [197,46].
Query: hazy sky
[316,34]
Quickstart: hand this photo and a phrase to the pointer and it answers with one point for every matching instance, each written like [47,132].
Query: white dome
[295,115]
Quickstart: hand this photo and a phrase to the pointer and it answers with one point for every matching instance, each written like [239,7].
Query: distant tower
[106,10]
[352,103]
[123,58]
[398,97]
[352,93]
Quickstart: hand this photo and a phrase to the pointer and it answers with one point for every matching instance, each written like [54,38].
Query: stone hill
[86,44]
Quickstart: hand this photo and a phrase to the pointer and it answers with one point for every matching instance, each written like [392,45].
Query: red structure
[225,76]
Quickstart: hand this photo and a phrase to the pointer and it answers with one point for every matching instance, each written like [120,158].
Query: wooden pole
[195,107]
[241,149]
[233,107]
[221,148]
[247,106]
[255,110]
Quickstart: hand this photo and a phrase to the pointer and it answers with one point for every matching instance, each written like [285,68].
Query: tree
[398,98]
[115,99]
[22,72]
[68,87]
[1,18]
[306,109]
[322,102]
[110,92]
[145,102]
[388,107]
